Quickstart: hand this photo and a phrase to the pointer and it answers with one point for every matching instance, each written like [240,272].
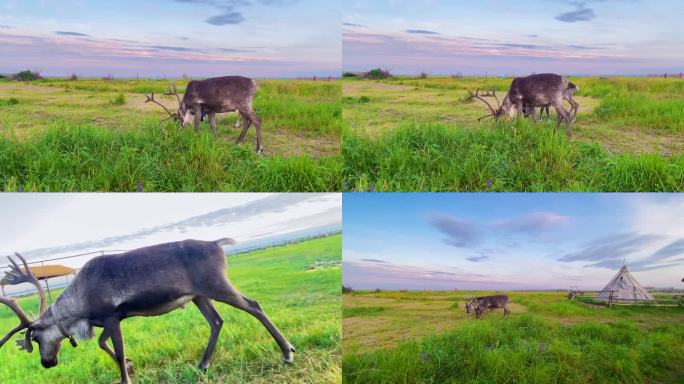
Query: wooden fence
[594,296]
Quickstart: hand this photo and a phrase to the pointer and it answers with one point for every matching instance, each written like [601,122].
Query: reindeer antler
[175,116]
[16,276]
[173,92]
[481,97]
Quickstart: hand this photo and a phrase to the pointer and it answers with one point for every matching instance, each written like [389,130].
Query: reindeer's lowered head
[494,112]
[46,330]
[175,116]
[470,306]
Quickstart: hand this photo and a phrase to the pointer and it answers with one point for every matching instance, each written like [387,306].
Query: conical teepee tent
[624,287]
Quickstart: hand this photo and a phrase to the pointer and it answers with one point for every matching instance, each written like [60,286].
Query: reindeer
[487,303]
[148,281]
[569,93]
[217,95]
[534,91]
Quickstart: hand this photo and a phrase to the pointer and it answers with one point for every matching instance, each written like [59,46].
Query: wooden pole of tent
[610,300]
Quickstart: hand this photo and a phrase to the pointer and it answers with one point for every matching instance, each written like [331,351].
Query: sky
[41,226]
[498,37]
[169,38]
[498,241]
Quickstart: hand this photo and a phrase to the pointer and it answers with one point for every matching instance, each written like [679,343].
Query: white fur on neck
[81,329]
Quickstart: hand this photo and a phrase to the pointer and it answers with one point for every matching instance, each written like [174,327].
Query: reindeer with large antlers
[532,91]
[217,95]
[148,281]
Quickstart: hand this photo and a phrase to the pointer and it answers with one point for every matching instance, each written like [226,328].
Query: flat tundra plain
[413,134]
[427,337]
[100,135]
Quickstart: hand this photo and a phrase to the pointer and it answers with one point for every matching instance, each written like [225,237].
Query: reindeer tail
[225,241]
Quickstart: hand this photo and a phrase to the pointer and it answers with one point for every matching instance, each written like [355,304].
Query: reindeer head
[495,112]
[45,330]
[185,113]
[178,116]
[471,305]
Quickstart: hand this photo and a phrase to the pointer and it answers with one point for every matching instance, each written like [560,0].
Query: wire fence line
[49,284]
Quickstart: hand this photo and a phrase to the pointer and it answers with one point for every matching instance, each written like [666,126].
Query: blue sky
[511,241]
[258,38]
[604,37]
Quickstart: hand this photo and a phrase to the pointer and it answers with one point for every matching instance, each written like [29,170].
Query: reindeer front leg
[102,342]
[533,112]
[113,328]
[198,116]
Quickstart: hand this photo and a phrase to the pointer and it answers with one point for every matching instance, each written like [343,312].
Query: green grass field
[427,337]
[304,304]
[409,134]
[100,135]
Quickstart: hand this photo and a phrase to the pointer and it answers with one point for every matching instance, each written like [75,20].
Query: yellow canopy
[49,271]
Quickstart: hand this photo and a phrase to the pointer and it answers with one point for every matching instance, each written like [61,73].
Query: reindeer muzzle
[49,363]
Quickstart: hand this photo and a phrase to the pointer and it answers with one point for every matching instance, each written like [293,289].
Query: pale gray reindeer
[148,281]
[217,95]
[534,91]
[481,304]
[569,93]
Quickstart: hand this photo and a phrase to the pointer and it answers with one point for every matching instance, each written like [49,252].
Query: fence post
[47,285]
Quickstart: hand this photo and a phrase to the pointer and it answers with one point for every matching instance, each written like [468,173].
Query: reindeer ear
[26,345]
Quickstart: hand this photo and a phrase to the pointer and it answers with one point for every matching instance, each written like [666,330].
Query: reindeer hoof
[288,358]
[260,151]
[129,368]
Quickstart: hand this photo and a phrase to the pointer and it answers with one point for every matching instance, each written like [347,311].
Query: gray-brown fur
[536,91]
[530,92]
[569,93]
[148,281]
[481,304]
[220,95]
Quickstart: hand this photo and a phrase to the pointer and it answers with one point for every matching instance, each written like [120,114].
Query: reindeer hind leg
[215,321]
[212,122]
[237,120]
[560,110]
[257,126]
[246,122]
[224,292]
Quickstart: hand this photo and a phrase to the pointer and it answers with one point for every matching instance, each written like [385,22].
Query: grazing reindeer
[217,95]
[534,91]
[569,93]
[488,303]
[222,94]
[148,281]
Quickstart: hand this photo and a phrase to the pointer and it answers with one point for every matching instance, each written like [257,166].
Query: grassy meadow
[100,135]
[297,285]
[427,337]
[413,134]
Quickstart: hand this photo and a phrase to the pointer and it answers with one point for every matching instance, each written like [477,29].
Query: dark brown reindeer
[481,304]
[217,95]
[148,281]
[534,91]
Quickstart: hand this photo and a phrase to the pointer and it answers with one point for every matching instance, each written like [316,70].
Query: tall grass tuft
[520,156]
[527,349]
[163,158]
[119,99]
